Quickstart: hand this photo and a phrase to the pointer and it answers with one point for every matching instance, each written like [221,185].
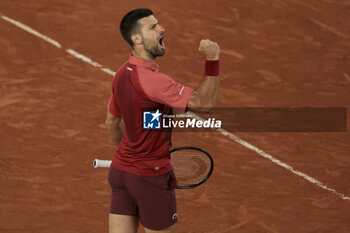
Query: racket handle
[102,163]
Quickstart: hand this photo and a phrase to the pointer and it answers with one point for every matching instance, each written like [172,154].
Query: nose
[161,29]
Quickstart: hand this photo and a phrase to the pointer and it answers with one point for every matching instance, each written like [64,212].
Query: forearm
[206,96]
[208,92]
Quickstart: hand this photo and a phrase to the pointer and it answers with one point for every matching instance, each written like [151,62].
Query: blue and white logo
[151,120]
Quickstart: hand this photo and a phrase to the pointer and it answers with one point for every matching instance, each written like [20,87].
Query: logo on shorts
[174,216]
[151,120]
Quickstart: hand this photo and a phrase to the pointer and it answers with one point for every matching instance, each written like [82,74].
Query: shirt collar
[144,63]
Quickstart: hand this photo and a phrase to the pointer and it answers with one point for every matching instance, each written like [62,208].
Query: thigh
[156,201]
[122,202]
[170,229]
[123,223]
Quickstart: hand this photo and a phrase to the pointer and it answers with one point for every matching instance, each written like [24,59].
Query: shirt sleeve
[162,89]
[113,106]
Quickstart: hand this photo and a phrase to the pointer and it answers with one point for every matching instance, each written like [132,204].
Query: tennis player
[141,176]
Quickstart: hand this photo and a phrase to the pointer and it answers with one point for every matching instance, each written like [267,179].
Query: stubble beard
[155,51]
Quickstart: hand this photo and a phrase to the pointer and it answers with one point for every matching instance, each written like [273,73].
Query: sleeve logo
[182,89]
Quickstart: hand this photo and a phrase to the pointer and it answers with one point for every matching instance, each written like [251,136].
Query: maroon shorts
[151,198]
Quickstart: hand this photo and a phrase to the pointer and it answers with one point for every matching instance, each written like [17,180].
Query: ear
[137,39]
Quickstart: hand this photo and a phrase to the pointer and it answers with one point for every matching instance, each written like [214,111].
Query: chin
[158,53]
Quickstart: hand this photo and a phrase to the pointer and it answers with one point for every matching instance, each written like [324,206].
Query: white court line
[222,131]
[282,164]
[91,62]
[58,45]
[31,30]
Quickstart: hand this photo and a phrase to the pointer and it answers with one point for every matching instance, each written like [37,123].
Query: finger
[201,44]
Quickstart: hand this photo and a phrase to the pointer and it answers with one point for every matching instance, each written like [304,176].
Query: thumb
[200,45]
[200,48]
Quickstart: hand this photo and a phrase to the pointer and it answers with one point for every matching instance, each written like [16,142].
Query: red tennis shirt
[139,86]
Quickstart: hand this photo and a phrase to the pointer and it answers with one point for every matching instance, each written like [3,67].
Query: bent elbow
[209,110]
[202,104]
[207,107]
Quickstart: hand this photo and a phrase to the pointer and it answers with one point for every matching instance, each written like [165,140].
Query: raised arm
[205,97]
[115,128]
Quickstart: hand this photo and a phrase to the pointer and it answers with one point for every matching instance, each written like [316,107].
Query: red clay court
[274,53]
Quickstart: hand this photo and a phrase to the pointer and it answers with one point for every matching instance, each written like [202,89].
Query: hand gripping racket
[192,166]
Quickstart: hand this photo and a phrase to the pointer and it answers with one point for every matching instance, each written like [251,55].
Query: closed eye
[154,25]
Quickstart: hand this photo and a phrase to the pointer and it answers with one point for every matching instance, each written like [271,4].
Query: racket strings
[190,166]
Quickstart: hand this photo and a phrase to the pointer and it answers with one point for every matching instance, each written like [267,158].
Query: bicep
[111,117]
[113,121]
[197,104]
[192,100]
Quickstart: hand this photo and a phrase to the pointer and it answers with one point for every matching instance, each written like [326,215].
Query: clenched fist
[209,49]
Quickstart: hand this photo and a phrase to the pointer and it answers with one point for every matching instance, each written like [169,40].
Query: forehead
[148,21]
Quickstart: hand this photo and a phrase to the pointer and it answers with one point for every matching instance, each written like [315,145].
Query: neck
[143,54]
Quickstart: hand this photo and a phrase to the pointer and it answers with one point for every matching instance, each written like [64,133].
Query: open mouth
[161,42]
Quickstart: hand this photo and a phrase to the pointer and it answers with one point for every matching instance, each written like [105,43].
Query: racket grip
[102,163]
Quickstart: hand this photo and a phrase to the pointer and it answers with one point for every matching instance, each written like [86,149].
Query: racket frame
[210,170]
[106,163]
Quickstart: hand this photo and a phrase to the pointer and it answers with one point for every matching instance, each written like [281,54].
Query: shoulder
[154,77]
[126,67]
[155,81]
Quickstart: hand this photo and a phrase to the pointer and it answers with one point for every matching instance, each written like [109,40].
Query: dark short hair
[129,23]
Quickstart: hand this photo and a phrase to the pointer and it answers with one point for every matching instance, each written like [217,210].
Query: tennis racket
[192,166]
